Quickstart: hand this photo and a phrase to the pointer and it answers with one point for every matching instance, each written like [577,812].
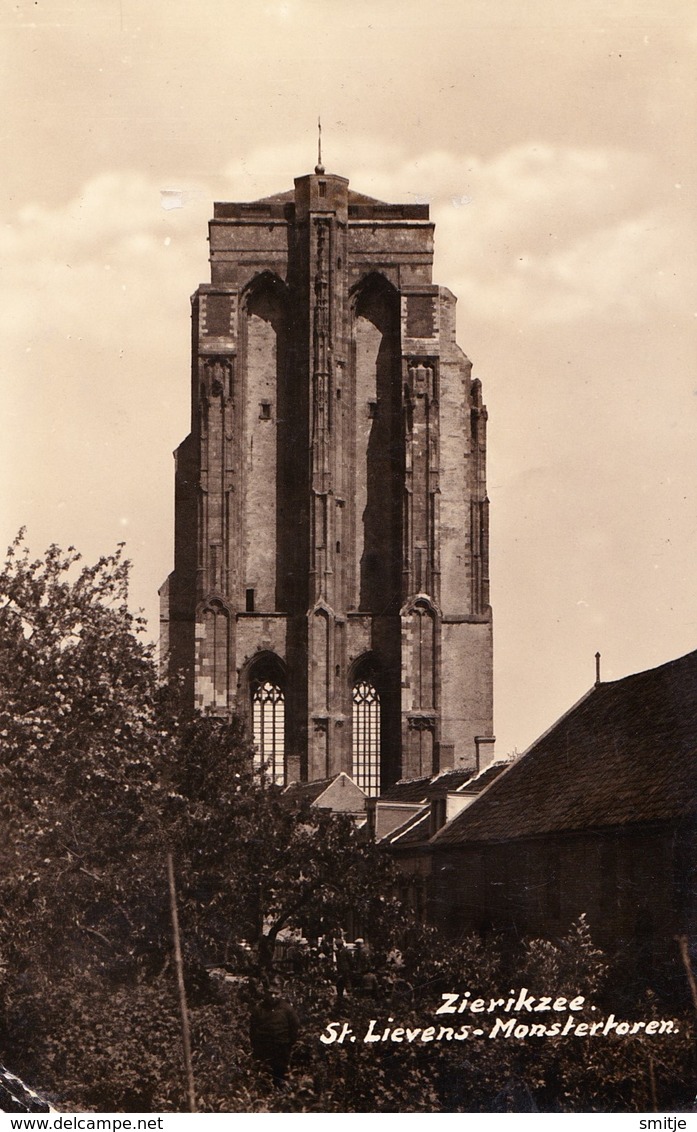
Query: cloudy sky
[555,144]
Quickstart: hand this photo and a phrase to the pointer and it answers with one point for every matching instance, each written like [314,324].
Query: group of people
[354,970]
[348,965]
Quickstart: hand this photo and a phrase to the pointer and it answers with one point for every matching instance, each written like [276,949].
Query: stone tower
[331,542]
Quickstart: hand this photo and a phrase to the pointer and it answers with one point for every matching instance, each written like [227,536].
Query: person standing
[273,1031]
[361,960]
[344,969]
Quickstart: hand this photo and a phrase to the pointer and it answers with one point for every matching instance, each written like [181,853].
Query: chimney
[485,750]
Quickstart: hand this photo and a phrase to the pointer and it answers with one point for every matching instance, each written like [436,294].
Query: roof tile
[625,753]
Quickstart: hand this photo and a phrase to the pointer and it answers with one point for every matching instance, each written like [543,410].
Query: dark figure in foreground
[344,969]
[273,1030]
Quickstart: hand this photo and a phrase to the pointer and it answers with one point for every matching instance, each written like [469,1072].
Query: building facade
[598,817]
[331,518]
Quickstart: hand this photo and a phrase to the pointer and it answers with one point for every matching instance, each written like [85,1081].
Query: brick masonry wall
[339,471]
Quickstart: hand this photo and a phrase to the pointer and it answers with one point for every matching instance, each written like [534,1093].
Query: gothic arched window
[366,737]
[268,727]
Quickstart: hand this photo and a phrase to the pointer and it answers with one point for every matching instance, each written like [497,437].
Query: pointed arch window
[268,729]
[366,737]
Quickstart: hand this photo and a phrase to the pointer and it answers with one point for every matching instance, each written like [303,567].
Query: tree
[251,865]
[80,749]
[101,773]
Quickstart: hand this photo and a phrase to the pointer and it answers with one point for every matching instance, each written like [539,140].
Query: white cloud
[537,234]
[94,319]
[559,235]
[562,259]
[94,359]
[87,268]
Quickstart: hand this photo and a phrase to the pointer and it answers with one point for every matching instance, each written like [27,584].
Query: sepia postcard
[348,756]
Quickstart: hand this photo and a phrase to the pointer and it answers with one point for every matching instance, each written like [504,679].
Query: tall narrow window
[268,723]
[366,737]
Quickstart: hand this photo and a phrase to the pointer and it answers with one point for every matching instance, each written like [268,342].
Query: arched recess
[379,444]
[265,680]
[367,723]
[423,654]
[421,622]
[214,657]
[270,444]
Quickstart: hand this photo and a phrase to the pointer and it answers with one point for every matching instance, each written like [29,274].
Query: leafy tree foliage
[251,865]
[80,747]
[100,775]
[558,1074]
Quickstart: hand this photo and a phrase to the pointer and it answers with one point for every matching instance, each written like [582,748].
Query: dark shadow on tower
[379,473]
[380,563]
[331,504]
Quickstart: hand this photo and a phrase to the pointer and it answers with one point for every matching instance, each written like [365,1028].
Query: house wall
[636,887]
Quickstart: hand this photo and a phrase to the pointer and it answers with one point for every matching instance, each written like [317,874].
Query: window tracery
[366,737]
[268,727]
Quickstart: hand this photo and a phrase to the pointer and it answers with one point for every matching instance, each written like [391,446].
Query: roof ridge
[624,753]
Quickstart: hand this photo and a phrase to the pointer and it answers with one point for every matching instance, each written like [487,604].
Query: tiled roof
[423,789]
[480,781]
[407,790]
[361,198]
[626,753]
[414,831]
[289,196]
[339,794]
[308,791]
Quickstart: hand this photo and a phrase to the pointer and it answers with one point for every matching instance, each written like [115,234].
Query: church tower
[331,578]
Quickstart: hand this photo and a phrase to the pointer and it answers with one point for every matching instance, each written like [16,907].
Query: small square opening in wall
[421,316]
[217,315]
[372,410]
[264,410]
[249,600]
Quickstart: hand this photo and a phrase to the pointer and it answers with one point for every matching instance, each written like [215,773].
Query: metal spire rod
[319,167]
